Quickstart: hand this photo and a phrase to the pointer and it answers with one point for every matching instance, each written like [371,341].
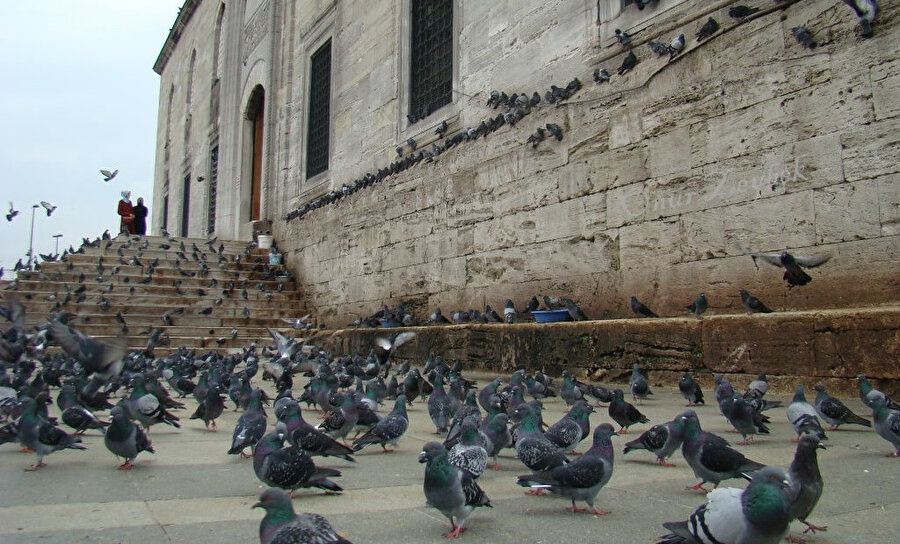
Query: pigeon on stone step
[640,389]
[699,305]
[310,439]
[282,526]
[867,12]
[759,514]
[41,436]
[454,492]
[753,304]
[250,426]
[887,424]
[387,431]
[690,390]
[211,408]
[834,412]
[640,309]
[805,481]
[803,417]
[582,479]
[572,428]
[710,27]
[662,440]
[469,453]
[709,456]
[628,63]
[125,439]
[740,12]
[289,467]
[624,413]
[676,46]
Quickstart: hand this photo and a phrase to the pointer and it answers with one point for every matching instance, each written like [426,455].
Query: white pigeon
[49,207]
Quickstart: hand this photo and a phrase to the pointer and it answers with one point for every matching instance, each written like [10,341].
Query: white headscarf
[126,195]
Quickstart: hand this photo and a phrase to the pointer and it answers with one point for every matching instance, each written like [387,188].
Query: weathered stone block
[649,242]
[871,151]
[767,343]
[786,221]
[886,89]
[624,126]
[889,204]
[848,344]
[625,205]
[703,234]
[489,267]
[670,152]
[847,212]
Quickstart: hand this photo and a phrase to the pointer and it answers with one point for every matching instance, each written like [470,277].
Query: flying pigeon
[759,514]
[454,492]
[583,478]
[125,438]
[50,208]
[107,175]
[282,526]
[867,12]
[834,412]
[793,273]
[104,361]
[662,440]
[12,212]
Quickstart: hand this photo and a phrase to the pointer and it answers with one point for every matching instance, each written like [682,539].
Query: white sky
[78,94]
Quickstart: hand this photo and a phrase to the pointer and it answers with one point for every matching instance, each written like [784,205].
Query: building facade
[666,178]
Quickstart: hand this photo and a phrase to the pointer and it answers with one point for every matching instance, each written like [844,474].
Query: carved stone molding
[256,29]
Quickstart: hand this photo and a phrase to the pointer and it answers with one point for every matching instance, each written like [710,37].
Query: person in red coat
[126,212]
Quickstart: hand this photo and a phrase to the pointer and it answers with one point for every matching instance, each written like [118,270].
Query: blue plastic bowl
[551,316]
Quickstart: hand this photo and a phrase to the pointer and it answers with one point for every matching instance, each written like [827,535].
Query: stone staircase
[179,287]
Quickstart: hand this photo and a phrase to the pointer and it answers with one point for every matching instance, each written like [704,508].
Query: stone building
[666,176]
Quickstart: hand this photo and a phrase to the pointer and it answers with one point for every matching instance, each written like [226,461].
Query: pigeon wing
[94,355]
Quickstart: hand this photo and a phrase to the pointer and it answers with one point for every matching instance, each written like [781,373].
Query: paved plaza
[192,491]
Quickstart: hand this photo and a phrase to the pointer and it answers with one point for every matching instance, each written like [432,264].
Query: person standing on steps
[126,212]
[140,217]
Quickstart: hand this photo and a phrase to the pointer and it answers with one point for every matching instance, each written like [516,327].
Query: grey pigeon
[601,75]
[125,438]
[469,454]
[638,384]
[887,424]
[698,306]
[868,394]
[340,422]
[569,391]
[289,467]
[640,309]
[745,419]
[622,37]
[803,417]
[757,388]
[624,413]
[146,407]
[709,456]
[805,481]
[690,390]
[532,448]
[509,311]
[662,440]
[793,273]
[310,439]
[455,493]
[75,415]
[753,304]
[572,428]
[804,37]
[211,408]
[250,426]
[676,46]
[741,12]
[282,526]
[388,430]
[439,406]
[867,12]
[710,27]
[582,479]
[107,175]
[41,436]
[759,514]
[834,412]
[496,433]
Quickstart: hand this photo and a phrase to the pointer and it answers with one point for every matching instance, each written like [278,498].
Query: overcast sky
[78,94]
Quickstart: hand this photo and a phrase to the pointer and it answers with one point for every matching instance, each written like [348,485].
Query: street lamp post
[31,237]
[57,236]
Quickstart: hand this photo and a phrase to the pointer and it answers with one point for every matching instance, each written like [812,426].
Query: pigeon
[107,175]
[802,416]
[698,306]
[659,48]
[662,440]
[753,304]
[867,12]
[759,514]
[601,75]
[125,439]
[804,37]
[454,492]
[710,27]
[104,361]
[555,131]
[793,273]
[282,526]
[745,419]
[629,62]
[469,454]
[569,391]
[310,439]
[289,467]
[676,46]
[709,456]
[805,481]
[640,309]
[250,426]
[439,406]
[75,415]
[575,311]
[384,347]
[509,311]
[572,428]
[39,435]
[741,12]
[834,412]
[638,384]
[533,449]
[11,213]
[583,478]
[887,424]
[340,422]
[757,388]
[210,408]
[496,432]
[690,390]
[623,38]
[146,407]
[388,430]
[868,395]
[624,413]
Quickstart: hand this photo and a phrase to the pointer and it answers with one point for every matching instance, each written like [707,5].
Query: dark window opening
[165,213]
[213,190]
[431,57]
[186,205]
[317,132]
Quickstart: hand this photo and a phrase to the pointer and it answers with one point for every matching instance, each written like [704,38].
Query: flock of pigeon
[478,424]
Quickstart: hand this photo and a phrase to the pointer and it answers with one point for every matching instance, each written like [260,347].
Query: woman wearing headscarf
[126,212]
[140,217]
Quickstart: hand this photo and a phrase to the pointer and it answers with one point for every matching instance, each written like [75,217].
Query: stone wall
[665,179]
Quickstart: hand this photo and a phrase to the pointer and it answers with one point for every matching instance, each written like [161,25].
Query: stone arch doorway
[253,147]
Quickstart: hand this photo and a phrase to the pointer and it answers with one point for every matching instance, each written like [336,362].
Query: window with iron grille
[431,57]
[317,131]
[213,189]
